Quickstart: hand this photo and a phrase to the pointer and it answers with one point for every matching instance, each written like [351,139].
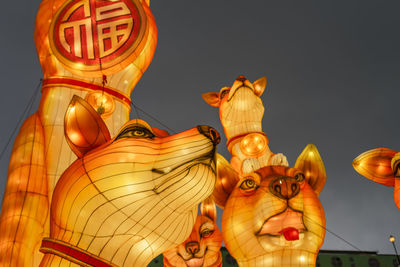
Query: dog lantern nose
[241,78]
[192,247]
[285,187]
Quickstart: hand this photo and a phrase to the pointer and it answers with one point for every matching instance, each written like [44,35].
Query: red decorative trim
[72,253]
[235,138]
[85,85]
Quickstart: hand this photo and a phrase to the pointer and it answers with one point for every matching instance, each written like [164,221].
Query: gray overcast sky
[334,73]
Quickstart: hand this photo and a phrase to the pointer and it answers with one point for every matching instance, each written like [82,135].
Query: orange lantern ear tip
[312,150]
[74,100]
[211,98]
[260,85]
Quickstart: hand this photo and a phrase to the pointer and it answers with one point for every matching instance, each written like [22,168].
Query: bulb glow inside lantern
[102,103]
[254,145]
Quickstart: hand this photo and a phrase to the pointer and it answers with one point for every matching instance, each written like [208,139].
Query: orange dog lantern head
[241,111]
[381,165]
[121,202]
[202,248]
[273,217]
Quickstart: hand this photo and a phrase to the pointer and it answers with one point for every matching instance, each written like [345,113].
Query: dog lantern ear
[310,163]
[212,99]
[84,129]
[259,86]
[227,178]
[377,165]
[208,209]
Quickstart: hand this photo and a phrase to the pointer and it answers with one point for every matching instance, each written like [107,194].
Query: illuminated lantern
[98,50]
[241,111]
[381,165]
[202,248]
[121,202]
[272,216]
[102,103]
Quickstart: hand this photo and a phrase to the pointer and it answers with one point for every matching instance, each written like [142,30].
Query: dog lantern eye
[248,185]
[206,233]
[206,230]
[135,132]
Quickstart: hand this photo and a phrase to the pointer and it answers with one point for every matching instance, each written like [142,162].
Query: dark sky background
[334,81]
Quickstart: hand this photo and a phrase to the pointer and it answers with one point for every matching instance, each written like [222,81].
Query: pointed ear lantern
[312,166]
[381,165]
[212,99]
[376,165]
[84,128]
[259,86]
[227,178]
[208,209]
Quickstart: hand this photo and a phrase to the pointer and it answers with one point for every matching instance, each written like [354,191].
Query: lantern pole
[392,240]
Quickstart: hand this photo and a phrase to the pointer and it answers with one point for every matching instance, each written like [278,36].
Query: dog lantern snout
[192,247]
[285,187]
[241,78]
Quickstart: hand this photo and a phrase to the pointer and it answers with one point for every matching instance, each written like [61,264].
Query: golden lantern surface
[85,48]
[103,103]
[121,201]
[241,111]
[272,216]
[254,145]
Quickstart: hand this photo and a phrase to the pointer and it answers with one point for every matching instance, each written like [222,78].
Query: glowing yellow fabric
[85,48]
[123,199]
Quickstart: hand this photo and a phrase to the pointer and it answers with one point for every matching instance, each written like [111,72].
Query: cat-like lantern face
[202,247]
[273,212]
